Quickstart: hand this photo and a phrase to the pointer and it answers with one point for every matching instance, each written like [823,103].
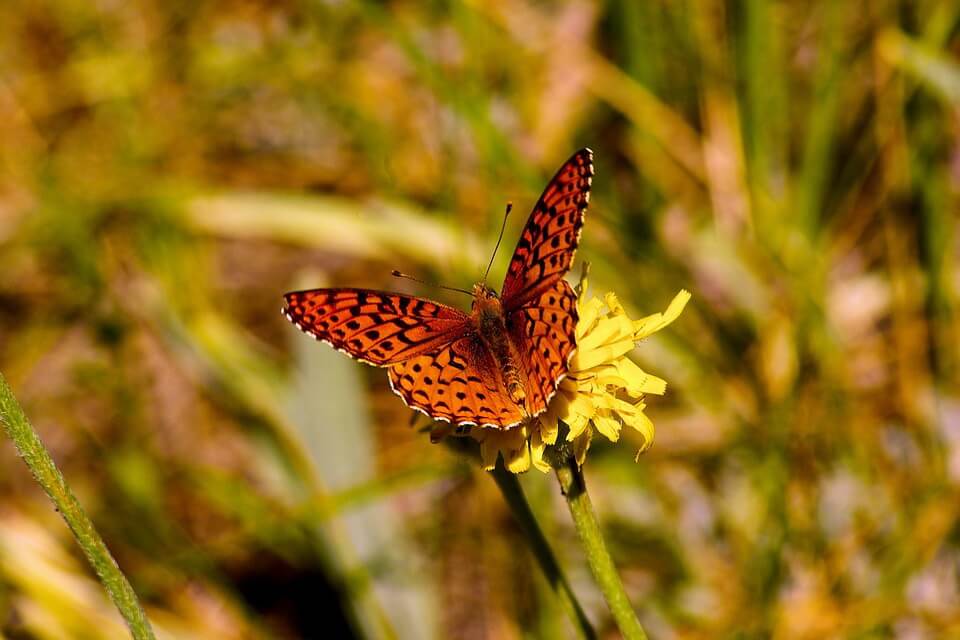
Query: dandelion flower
[602,392]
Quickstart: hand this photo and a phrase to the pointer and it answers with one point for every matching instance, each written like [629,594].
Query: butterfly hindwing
[374,326]
[459,384]
[549,240]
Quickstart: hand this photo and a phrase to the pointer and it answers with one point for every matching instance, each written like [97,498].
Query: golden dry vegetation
[169,169]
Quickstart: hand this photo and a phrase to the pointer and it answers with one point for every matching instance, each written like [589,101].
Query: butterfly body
[492,328]
[495,366]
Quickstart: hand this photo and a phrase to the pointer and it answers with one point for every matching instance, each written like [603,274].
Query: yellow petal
[577,381]
[578,424]
[644,425]
[613,303]
[588,311]
[637,380]
[560,405]
[587,359]
[569,384]
[653,323]
[512,444]
[537,447]
[610,402]
[580,406]
[612,381]
[549,426]
[517,460]
[608,426]
[621,374]
[608,330]
[580,447]
[653,384]
[489,452]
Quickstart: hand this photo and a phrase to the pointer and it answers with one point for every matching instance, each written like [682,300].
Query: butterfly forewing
[373,326]
[540,306]
[549,240]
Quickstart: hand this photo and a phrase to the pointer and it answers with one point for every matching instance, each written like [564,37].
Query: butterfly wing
[544,334]
[375,327]
[549,240]
[459,384]
[437,362]
[540,306]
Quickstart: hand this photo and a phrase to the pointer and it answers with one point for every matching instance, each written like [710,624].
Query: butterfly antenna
[506,214]
[398,274]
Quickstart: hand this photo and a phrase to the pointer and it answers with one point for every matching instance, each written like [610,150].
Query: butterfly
[495,366]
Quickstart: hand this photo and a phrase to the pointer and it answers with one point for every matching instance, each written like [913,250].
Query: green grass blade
[41,465]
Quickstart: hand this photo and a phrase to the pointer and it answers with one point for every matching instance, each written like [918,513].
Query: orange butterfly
[498,365]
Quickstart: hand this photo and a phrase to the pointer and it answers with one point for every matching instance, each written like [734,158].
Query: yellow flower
[512,444]
[603,389]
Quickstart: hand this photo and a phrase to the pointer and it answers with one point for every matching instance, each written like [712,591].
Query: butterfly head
[485,298]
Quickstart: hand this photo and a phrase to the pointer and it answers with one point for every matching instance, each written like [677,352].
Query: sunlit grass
[166,174]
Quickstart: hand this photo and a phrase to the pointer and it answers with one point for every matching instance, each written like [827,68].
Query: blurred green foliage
[168,169]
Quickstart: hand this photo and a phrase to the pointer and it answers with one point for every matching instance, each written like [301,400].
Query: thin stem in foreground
[601,565]
[44,470]
[513,494]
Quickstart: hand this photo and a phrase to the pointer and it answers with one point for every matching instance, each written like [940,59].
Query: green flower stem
[513,494]
[46,473]
[601,565]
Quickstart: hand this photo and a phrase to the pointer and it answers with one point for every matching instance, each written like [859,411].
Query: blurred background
[169,169]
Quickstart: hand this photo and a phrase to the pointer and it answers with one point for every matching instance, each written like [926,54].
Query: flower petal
[580,407]
[653,384]
[580,447]
[489,452]
[638,381]
[608,426]
[588,311]
[577,423]
[537,448]
[608,330]
[613,303]
[511,443]
[653,323]
[644,425]
[517,460]
[608,401]
[549,426]
[615,343]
